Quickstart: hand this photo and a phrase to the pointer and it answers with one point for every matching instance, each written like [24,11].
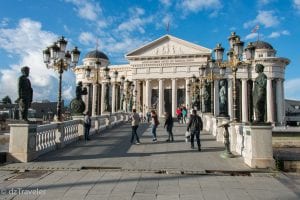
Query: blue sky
[28,26]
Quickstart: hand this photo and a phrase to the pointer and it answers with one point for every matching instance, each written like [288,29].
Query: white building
[162,70]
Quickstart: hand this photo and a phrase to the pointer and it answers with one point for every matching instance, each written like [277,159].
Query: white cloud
[297,5]
[25,43]
[251,36]
[166,2]
[4,22]
[87,38]
[87,9]
[278,34]
[198,5]
[136,21]
[266,18]
[264,2]
[292,89]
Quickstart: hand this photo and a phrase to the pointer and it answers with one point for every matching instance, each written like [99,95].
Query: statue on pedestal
[223,98]
[206,97]
[259,94]
[106,99]
[25,93]
[77,105]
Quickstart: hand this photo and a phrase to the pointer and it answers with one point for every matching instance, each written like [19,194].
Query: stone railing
[29,141]
[252,142]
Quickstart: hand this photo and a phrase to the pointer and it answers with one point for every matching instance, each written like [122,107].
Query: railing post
[22,144]
[80,126]
[107,121]
[59,136]
[97,125]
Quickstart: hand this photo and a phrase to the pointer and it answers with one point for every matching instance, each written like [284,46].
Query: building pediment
[168,46]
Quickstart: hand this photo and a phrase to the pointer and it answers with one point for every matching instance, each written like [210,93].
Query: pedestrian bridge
[59,147]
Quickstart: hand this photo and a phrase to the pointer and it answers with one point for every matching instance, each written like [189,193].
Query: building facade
[160,75]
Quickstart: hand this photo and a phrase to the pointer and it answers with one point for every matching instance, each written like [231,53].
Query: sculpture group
[77,105]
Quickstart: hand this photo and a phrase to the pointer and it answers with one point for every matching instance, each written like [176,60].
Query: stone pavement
[109,167]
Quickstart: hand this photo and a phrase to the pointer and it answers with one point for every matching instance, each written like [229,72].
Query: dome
[96,54]
[262,45]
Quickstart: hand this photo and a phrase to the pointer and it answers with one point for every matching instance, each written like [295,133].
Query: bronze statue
[259,94]
[106,99]
[80,91]
[223,98]
[25,93]
[77,105]
[206,97]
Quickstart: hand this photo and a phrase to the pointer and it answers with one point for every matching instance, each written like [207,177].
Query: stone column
[270,102]
[102,97]
[161,98]
[279,101]
[244,101]
[148,95]
[113,99]
[187,94]
[230,99]
[216,98]
[95,100]
[174,97]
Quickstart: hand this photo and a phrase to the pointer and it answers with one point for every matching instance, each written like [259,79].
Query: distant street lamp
[57,58]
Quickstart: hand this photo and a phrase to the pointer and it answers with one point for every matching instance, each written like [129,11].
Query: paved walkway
[109,167]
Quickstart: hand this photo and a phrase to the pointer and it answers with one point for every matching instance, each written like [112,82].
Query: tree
[6,100]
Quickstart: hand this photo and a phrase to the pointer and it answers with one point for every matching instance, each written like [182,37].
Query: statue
[77,105]
[223,98]
[106,99]
[80,91]
[259,94]
[25,93]
[206,97]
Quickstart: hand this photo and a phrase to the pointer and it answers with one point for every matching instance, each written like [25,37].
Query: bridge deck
[112,149]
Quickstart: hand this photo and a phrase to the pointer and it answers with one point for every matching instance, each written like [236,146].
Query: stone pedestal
[22,144]
[80,126]
[258,146]
[220,130]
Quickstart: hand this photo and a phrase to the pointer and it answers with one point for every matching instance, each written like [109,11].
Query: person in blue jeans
[154,123]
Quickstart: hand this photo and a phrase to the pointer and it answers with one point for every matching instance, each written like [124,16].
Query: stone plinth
[22,144]
[258,146]
[81,125]
[220,130]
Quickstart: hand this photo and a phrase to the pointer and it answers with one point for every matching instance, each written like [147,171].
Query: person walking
[179,114]
[87,126]
[135,121]
[154,123]
[195,126]
[169,125]
[184,114]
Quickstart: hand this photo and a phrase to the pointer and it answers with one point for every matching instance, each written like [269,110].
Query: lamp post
[58,58]
[234,61]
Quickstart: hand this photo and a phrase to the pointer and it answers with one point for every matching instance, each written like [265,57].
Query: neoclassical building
[161,75]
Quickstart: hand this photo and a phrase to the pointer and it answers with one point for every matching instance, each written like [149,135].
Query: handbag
[187,134]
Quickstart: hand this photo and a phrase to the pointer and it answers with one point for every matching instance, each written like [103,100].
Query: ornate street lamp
[235,60]
[56,57]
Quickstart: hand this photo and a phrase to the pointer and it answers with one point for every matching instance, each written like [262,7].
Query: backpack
[196,124]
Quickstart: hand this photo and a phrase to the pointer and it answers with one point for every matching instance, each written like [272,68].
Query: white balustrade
[45,138]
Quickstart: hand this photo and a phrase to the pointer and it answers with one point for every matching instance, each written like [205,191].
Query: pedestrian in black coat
[169,125]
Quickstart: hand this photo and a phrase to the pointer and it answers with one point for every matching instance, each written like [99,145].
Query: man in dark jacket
[195,126]
[169,125]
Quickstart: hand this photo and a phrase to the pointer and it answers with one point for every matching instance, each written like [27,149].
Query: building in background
[161,73]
